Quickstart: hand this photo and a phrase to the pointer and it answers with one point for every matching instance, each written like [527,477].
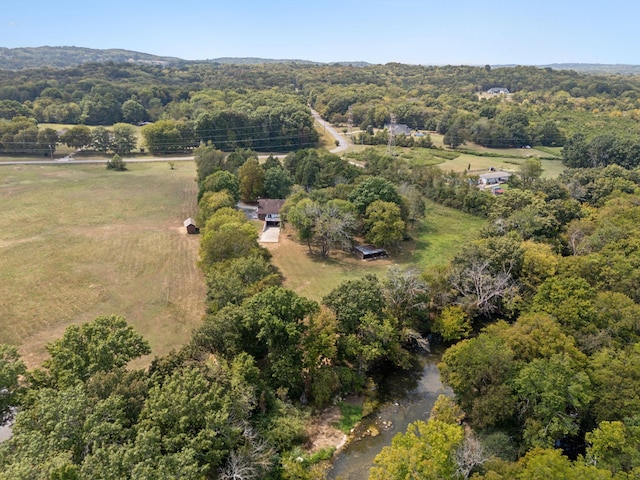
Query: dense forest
[541,313]
[262,106]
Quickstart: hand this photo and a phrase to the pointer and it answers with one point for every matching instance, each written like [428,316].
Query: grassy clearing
[552,151]
[350,415]
[313,277]
[552,168]
[415,156]
[442,234]
[473,156]
[78,241]
[436,241]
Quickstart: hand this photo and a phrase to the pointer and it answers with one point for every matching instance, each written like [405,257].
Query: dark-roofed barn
[190,225]
[370,252]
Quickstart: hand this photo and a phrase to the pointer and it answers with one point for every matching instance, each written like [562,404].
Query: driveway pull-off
[270,235]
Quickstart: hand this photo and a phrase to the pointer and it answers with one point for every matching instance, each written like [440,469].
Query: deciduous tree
[208,159]
[78,136]
[251,177]
[100,140]
[383,224]
[552,393]
[48,139]
[277,183]
[478,370]
[427,451]
[102,345]
[372,189]
[124,139]
[219,181]
[11,369]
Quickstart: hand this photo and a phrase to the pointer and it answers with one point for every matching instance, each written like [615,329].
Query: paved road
[342,141]
[72,161]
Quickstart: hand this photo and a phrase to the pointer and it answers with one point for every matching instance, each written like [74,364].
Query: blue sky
[377,31]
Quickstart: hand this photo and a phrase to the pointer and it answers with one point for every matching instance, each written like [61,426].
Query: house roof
[189,221]
[270,206]
[398,128]
[489,176]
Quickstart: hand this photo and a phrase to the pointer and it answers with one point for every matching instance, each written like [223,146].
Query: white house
[493,178]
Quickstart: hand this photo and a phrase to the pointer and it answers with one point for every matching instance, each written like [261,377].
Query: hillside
[34,57]
[598,68]
[62,57]
[590,68]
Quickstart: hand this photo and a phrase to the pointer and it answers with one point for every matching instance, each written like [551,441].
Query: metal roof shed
[370,252]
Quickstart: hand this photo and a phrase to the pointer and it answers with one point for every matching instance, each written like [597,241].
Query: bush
[117,164]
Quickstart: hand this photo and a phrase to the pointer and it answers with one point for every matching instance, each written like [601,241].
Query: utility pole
[349,126]
[391,144]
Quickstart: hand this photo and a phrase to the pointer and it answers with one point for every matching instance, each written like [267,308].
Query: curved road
[342,146]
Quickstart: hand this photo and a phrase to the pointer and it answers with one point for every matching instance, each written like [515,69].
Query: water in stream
[407,397]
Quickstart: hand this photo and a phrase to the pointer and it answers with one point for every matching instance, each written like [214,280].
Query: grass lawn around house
[79,241]
[551,168]
[440,236]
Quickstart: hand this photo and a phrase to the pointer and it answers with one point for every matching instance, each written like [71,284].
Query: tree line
[259,106]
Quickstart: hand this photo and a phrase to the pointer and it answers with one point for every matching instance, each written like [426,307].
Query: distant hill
[61,57]
[608,68]
[257,61]
[250,61]
[589,68]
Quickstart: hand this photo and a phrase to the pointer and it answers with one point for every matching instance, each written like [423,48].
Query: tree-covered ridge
[597,68]
[62,57]
[23,58]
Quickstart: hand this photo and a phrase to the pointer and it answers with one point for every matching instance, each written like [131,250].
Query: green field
[441,235]
[470,155]
[79,241]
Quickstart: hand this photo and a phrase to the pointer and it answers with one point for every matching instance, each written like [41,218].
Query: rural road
[65,160]
[341,147]
[342,141]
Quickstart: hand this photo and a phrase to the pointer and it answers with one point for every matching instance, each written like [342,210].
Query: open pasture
[79,241]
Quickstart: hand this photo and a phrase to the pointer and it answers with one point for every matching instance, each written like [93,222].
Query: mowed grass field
[475,156]
[79,241]
[440,236]
[551,168]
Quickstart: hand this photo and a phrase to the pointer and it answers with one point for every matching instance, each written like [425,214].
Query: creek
[404,398]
